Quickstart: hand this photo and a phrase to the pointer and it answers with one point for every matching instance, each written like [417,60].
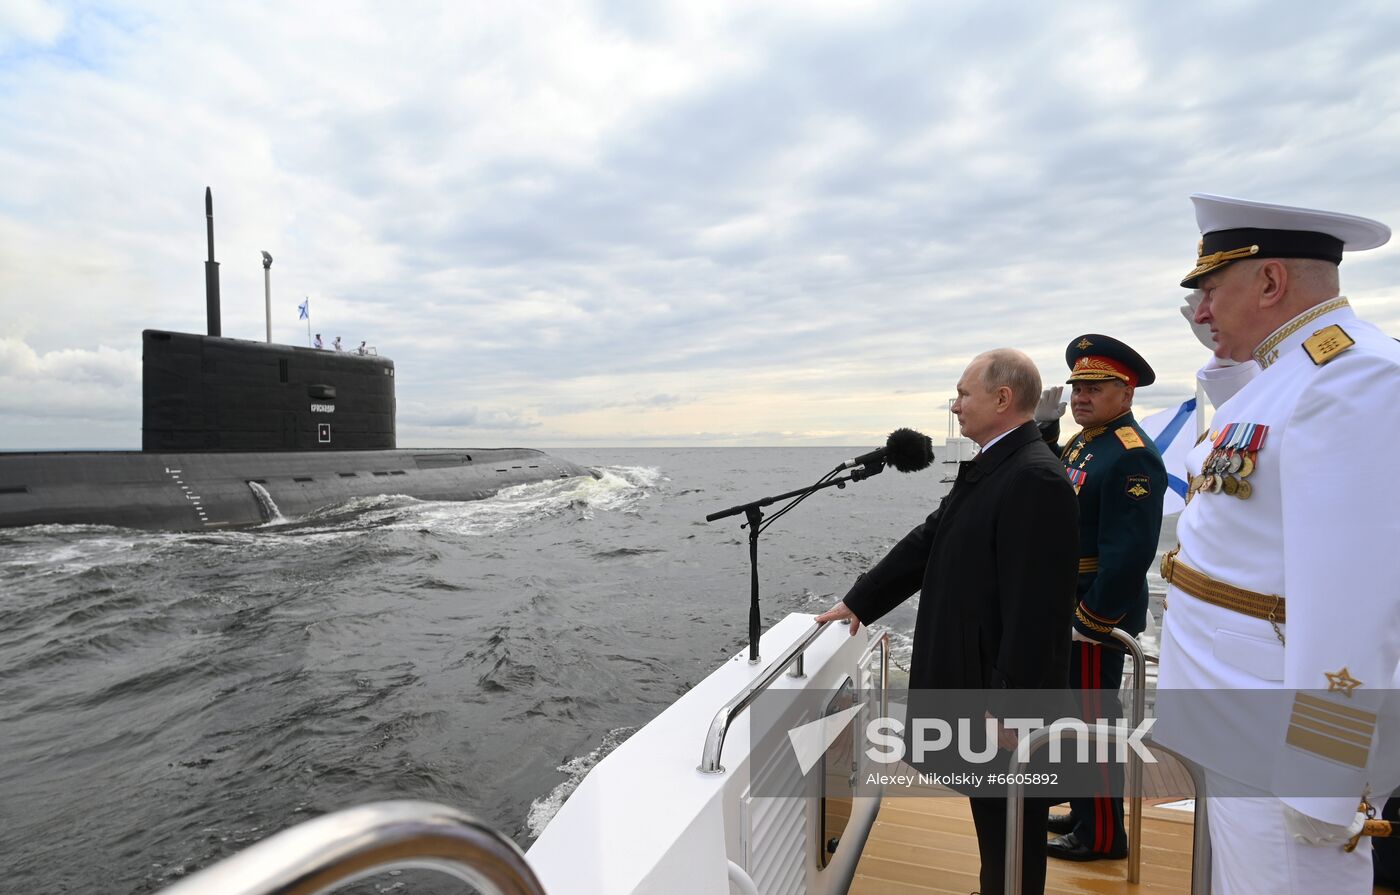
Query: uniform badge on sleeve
[1341,682]
[1138,487]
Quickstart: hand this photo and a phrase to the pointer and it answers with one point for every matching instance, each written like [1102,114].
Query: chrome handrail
[348,845]
[1200,850]
[1133,790]
[1200,831]
[719,727]
[1016,798]
[883,642]
[1134,776]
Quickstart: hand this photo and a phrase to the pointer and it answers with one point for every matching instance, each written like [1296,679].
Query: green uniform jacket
[1120,479]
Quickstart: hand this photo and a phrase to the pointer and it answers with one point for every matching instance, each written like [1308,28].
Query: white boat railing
[345,846]
[792,656]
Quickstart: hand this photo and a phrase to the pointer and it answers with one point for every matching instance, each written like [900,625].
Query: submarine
[238,433]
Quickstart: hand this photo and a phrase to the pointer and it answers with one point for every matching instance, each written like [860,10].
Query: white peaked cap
[1234,229]
[1225,213]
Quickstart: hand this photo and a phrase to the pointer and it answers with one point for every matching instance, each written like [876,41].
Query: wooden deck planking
[1166,779]
[927,846]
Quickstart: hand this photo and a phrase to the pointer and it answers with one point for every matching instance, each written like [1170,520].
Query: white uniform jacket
[1321,528]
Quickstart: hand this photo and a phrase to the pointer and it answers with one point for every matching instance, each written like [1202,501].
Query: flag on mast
[304,310]
[1173,432]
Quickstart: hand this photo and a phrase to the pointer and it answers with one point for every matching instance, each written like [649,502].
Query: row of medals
[1226,470]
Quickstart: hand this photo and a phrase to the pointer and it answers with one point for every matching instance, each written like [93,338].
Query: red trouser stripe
[1087,689]
[1090,679]
[1103,768]
[1100,821]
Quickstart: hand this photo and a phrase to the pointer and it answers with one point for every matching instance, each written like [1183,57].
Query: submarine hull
[202,490]
[235,432]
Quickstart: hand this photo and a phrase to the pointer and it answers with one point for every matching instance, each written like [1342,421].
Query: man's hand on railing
[1007,738]
[838,613]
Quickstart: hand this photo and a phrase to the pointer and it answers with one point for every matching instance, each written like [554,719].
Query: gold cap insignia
[1341,682]
[1083,344]
[1096,369]
[1207,263]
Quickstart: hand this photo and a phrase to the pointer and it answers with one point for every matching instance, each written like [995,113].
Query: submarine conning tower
[208,393]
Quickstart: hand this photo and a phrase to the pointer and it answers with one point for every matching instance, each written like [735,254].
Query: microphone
[905,450]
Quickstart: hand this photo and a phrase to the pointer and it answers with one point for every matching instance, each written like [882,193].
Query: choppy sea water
[168,699]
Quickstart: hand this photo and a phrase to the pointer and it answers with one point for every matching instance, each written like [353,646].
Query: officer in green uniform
[1119,477]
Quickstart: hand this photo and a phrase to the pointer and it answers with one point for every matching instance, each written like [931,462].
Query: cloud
[29,21]
[74,385]
[789,218]
[469,418]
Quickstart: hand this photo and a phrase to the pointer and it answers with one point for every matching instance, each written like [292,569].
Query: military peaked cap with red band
[1092,357]
[1235,229]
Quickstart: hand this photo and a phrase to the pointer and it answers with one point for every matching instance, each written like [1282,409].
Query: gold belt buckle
[1169,563]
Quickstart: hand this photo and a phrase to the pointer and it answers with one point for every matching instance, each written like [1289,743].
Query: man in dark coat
[997,563]
[1119,477]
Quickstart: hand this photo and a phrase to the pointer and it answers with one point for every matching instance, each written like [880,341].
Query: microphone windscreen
[909,451]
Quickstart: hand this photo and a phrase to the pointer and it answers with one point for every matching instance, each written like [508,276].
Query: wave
[77,548]
[543,809]
[616,490]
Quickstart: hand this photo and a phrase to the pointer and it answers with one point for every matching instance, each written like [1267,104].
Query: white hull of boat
[647,820]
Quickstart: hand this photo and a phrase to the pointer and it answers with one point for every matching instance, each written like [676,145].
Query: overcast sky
[647,223]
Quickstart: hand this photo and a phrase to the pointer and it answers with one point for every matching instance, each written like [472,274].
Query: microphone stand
[753,511]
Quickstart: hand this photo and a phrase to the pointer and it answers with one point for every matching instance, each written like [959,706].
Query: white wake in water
[270,511]
[543,809]
[618,489]
[85,547]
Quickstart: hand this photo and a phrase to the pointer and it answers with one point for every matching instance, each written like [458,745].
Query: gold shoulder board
[1128,435]
[1327,343]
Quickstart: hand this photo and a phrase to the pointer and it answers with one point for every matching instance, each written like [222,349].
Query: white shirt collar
[989,444]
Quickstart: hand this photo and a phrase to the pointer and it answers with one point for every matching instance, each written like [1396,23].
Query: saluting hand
[1202,330]
[1050,407]
[840,612]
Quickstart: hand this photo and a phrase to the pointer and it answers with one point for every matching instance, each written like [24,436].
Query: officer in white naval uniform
[1286,581]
